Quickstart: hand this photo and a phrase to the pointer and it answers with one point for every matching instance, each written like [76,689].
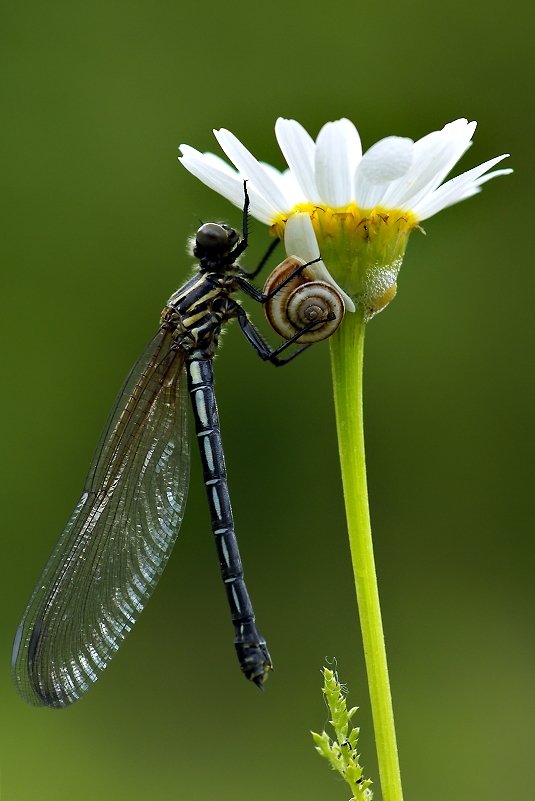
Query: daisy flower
[356,210]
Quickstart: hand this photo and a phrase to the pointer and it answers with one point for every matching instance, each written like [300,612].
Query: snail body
[302,301]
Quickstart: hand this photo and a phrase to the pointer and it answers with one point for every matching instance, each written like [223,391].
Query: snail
[302,301]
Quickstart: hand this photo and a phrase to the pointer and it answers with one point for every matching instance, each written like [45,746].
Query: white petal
[386,161]
[253,170]
[455,190]
[338,151]
[300,240]
[209,158]
[460,134]
[299,150]
[271,170]
[434,157]
[474,190]
[292,188]
[494,174]
[368,195]
[286,180]
[213,172]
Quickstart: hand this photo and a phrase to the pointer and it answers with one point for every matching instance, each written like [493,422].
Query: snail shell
[300,302]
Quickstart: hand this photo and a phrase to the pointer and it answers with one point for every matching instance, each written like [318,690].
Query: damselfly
[117,542]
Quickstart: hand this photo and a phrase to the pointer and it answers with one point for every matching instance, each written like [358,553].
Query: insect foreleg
[263,349]
[255,293]
[249,274]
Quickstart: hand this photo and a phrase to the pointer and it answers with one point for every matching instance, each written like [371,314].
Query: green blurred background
[96,96]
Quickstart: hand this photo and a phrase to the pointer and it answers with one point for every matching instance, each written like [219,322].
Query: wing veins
[120,534]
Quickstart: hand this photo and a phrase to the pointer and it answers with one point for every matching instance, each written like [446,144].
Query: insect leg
[249,274]
[251,648]
[263,348]
[245,223]
[255,293]
[241,246]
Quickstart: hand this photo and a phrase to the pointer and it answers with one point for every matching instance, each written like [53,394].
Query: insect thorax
[197,311]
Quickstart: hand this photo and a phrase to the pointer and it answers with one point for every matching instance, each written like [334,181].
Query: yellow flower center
[362,249]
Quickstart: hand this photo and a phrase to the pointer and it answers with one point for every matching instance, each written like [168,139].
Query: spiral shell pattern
[300,302]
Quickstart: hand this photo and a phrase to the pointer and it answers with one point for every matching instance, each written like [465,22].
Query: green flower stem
[347,347]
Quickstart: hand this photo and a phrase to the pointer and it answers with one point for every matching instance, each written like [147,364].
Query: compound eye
[212,236]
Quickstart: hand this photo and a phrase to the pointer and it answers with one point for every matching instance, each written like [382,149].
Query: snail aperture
[302,301]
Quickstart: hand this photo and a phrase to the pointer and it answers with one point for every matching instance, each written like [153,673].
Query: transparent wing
[118,540]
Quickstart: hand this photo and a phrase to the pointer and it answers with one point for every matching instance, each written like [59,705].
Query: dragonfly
[120,535]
